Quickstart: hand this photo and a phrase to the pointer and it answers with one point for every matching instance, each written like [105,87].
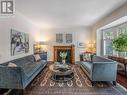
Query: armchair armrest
[104,71]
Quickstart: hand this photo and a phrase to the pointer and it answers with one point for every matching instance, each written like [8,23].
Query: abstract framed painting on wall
[19,42]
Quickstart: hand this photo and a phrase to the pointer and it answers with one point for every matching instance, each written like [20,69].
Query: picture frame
[69,38]
[59,38]
[81,45]
[19,42]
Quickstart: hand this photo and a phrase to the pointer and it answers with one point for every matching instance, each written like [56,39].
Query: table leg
[55,76]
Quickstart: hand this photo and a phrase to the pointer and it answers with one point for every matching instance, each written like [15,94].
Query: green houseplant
[120,43]
[63,55]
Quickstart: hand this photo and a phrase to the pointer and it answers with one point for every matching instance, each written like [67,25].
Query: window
[108,49]
[109,35]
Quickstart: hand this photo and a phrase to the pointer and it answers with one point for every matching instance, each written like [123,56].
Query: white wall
[81,34]
[20,23]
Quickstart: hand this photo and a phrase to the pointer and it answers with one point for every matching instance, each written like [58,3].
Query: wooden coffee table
[61,73]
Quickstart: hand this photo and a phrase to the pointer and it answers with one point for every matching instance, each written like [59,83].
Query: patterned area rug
[80,85]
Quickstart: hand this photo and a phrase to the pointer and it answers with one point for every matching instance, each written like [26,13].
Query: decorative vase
[63,61]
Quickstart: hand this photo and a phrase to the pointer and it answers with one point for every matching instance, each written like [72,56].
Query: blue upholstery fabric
[87,66]
[100,59]
[24,61]
[29,69]
[10,77]
[101,69]
[19,77]
[43,56]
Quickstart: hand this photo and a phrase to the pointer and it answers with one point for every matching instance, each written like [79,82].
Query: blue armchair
[100,69]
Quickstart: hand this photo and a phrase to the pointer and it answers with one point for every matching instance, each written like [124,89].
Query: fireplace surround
[70,53]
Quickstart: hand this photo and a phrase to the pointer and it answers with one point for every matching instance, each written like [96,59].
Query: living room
[71,44]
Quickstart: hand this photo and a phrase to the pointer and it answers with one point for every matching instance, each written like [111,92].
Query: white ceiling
[66,13]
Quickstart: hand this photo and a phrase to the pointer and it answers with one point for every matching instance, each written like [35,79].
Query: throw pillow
[37,57]
[84,57]
[12,65]
[87,57]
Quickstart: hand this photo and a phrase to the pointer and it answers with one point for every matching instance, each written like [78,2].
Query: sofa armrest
[11,77]
[104,71]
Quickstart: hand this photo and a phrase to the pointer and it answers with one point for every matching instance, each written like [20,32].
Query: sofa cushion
[30,58]
[87,66]
[43,56]
[31,68]
[21,62]
[101,59]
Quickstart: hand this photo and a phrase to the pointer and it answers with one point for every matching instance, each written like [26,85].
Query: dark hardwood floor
[121,79]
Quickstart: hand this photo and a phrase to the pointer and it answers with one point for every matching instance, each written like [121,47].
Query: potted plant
[63,55]
[120,43]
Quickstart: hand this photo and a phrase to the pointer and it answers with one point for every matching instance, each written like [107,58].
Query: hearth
[70,53]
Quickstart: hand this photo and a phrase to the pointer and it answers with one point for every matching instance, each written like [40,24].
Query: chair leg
[92,83]
[114,83]
[20,92]
[16,92]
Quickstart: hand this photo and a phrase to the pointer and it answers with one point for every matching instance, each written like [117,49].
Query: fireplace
[70,53]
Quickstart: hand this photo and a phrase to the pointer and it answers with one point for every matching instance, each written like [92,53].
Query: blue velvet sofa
[19,77]
[100,69]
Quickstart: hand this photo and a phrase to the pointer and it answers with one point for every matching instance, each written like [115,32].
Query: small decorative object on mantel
[81,45]
[63,55]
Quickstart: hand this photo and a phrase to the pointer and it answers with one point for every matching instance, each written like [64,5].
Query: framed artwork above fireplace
[68,38]
[59,38]
[64,38]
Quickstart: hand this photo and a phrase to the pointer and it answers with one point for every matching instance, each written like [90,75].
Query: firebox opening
[70,53]
[68,58]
